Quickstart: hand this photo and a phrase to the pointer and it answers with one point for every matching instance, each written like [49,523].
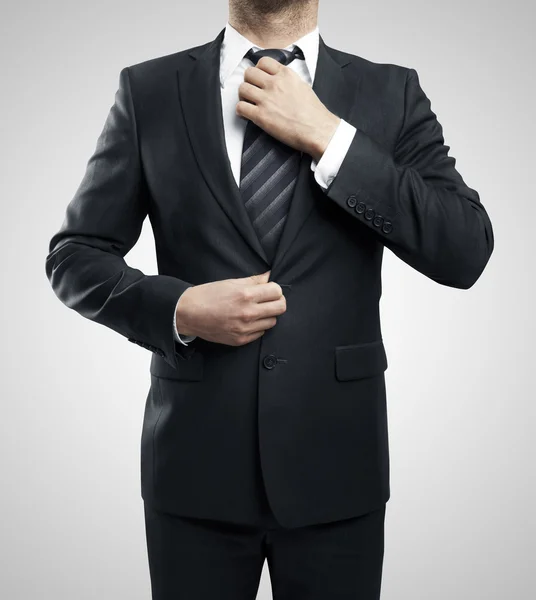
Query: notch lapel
[200,97]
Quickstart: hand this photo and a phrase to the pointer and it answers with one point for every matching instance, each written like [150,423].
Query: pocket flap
[360,360]
[190,369]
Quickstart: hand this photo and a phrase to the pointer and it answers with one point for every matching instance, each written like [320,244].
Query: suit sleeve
[85,264]
[415,199]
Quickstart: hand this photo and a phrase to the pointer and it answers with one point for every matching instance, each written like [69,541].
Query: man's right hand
[231,311]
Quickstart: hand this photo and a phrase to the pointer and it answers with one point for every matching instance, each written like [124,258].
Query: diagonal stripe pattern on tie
[269,170]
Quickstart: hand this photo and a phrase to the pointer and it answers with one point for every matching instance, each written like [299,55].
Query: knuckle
[247,295]
[276,287]
[246,315]
[241,340]
[236,330]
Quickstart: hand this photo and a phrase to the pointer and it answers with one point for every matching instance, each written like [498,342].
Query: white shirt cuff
[328,166]
[182,339]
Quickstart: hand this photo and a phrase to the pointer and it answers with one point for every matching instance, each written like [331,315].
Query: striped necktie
[269,170]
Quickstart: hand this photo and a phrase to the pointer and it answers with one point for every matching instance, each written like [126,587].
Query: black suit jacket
[303,408]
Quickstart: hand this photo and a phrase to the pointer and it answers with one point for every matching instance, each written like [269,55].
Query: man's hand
[277,99]
[231,311]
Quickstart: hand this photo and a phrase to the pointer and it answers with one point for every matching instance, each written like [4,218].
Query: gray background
[461,386]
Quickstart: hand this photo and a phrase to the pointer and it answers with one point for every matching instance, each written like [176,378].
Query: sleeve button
[378,220]
[352,201]
[387,227]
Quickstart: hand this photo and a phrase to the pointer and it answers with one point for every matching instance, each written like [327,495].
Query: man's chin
[266,7]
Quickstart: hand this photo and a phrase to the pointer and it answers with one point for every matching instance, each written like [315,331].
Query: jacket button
[369,214]
[387,227]
[378,220]
[269,361]
[360,208]
[352,201]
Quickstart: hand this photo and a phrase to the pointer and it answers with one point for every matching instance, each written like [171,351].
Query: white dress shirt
[232,66]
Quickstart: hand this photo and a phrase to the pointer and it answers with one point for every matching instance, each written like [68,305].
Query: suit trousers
[193,558]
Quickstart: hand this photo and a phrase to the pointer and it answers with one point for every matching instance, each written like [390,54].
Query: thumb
[261,277]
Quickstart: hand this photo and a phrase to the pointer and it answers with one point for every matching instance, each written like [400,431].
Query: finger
[251,337]
[256,77]
[247,110]
[270,65]
[250,92]
[265,292]
[271,309]
[267,310]
[261,324]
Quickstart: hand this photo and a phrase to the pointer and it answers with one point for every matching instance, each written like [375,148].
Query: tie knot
[285,57]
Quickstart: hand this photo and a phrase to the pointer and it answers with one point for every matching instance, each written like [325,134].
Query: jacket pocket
[188,369]
[357,361]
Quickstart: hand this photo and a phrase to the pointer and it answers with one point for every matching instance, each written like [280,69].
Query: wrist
[322,136]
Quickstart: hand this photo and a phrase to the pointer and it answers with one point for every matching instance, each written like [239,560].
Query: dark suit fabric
[293,426]
[200,559]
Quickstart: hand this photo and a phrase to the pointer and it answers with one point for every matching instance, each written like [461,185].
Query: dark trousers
[203,559]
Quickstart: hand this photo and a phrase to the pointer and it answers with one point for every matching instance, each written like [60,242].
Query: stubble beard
[261,8]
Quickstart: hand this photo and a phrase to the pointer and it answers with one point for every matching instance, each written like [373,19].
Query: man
[274,170]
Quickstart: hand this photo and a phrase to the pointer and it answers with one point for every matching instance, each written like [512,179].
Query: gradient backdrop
[461,378]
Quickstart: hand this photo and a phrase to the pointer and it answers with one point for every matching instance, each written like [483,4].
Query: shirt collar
[235,45]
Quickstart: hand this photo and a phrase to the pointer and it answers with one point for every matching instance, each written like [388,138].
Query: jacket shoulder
[381,71]
[389,73]
[152,79]
[159,65]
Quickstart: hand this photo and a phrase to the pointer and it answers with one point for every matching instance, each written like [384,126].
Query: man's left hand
[279,101]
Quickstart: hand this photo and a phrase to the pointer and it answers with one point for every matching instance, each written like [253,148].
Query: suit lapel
[200,97]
